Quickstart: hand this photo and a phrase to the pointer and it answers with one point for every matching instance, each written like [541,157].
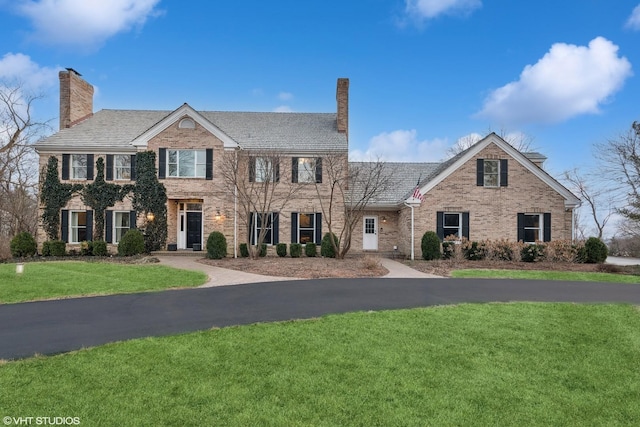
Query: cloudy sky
[424,73]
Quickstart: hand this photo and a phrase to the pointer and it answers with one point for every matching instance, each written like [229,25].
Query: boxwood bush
[263,250]
[326,248]
[281,249]
[23,245]
[99,248]
[295,250]
[430,246]
[532,253]
[56,248]
[595,251]
[310,249]
[216,245]
[244,250]
[132,243]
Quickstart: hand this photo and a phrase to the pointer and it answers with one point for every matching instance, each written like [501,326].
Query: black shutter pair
[275,228]
[504,172]
[108,224]
[162,163]
[546,227]
[109,173]
[274,165]
[64,225]
[294,228]
[294,169]
[66,166]
[440,225]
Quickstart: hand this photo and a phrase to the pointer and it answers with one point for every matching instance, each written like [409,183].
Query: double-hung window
[492,173]
[306,228]
[122,166]
[452,224]
[265,169]
[78,226]
[267,223]
[186,163]
[121,224]
[534,227]
[78,166]
[306,169]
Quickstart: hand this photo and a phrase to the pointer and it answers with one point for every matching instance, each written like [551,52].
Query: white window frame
[539,228]
[491,175]
[257,228]
[264,169]
[199,165]
[122,172]
[312,228]
[306,169]
[116,227]
[75,227]
[458,233]
[78,171]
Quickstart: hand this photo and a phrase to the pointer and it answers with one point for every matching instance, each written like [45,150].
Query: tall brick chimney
[342,98]
[76,98]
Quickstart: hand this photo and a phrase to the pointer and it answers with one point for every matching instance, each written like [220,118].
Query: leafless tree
[599,201]
[18,161]
[262,193]
[518,140]
[347,190]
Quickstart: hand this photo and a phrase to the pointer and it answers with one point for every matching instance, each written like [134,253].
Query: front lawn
[580,276]
[57,279]
[470,364]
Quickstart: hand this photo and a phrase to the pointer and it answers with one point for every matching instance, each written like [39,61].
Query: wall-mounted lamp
[218,216]
[384,219]
[150,216]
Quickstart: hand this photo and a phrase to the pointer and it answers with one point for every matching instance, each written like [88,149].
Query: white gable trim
[177,115]
[571,201]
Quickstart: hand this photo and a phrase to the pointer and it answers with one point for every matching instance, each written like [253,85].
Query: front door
[370,233]
[194,229]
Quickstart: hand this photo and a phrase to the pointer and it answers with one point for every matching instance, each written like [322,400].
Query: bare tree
[600,202]
[18,161]
[350,188]
[262,193]
[518,140]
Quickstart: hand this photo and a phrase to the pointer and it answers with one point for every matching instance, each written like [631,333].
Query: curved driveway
[50,327]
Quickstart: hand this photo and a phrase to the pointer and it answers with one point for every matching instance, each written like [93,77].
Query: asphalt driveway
[51,327]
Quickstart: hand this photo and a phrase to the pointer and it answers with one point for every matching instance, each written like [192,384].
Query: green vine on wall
[54,196]
[150,196]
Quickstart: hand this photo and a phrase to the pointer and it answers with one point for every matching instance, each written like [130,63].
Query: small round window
[187,123]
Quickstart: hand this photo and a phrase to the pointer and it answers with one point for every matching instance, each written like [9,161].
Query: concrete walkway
[222,276]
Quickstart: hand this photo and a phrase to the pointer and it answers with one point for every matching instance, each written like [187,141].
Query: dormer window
[187,123]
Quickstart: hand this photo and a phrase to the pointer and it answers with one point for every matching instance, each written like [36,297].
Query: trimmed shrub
[132,243]
[500,250]
[532,253]
[448,249]
[310,249]
[430,246]
[216,245]
[326,248]
[244,250]
[263,250]
[295,250]
[100,248]
[475,251]
[86,248]
[23,245]
[595,251]
[281,249]
[54,248]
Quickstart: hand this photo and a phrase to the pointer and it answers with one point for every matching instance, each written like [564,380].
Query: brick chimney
[76,98]
[342,98]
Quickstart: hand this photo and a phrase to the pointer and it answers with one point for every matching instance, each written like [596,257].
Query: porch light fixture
[218,216]
[384,219]
[150,216]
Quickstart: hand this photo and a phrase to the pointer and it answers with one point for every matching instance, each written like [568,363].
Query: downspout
[235,212]
[412,233]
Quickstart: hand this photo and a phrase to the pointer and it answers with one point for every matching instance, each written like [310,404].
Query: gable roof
[118,130]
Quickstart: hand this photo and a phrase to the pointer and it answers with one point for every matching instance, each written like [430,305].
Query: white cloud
[568,81]
[283,109]
[17,68]
[428,9]
[83,22]
[401,146]
[285,96]
[634,20]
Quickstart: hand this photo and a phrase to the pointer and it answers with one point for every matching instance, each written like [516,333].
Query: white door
[370,233]
[182,230]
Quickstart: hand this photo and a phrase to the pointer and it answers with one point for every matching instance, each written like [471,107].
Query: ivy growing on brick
[150,196]
[54,196]
[101,195]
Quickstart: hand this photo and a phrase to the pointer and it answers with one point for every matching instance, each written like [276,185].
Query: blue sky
[423,73]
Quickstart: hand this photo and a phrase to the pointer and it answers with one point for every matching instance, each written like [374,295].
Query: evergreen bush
[132,243]
[448,249]
[263,250]
[216,245]
[281,249]
[295,250]
[244,250]
[326,247]
[310,249]
[56,248]
[595,251]
[532,253]
[474,251]
[430,246]
[100,248]
[23,245]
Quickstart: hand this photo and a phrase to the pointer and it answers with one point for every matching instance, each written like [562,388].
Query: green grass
[474,364]
[45,280]
[545,275]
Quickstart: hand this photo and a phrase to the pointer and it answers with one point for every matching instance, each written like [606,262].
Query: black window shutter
[65,165]
[319,170]
[276,170]
[133,218]
[162,163]
[480,172]
[89,225]
[108,226]
[547,227]
[520,227]
[318,228]
[275,228]
[252,228]
[504,174]
[252,169]
[89,167]
[294,170]
[294,227]
[209,166]
[134,158]
[440,224]
[465,224]
[109,171]
[64,226]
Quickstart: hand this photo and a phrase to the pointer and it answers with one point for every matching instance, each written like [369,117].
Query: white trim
[184,111]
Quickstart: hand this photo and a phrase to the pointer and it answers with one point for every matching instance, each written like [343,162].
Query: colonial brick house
[489,191]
